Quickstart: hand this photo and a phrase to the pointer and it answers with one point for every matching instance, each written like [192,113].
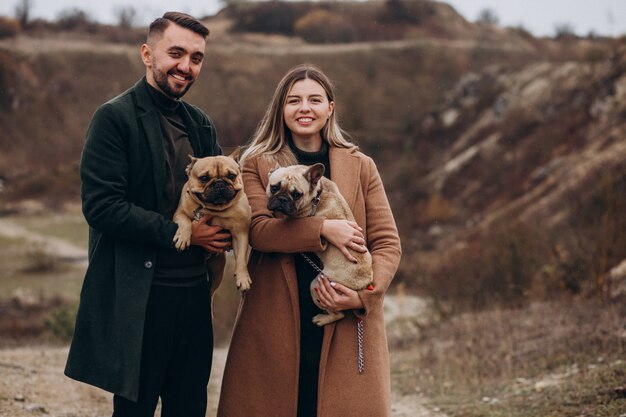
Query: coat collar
[149,119]
[345,171]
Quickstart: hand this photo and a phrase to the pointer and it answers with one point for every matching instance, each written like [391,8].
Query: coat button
[148,264]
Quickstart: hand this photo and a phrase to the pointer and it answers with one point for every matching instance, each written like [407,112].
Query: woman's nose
[304,106]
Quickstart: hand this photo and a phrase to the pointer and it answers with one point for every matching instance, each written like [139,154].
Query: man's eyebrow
[176,48]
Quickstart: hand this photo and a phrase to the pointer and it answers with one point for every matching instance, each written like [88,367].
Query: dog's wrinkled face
[291,190]
[215,180]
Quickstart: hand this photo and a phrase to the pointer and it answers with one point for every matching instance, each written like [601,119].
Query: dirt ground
[32,381]
[32,384]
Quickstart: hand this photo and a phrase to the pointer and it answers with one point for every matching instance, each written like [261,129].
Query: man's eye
[296,195]
[274,188]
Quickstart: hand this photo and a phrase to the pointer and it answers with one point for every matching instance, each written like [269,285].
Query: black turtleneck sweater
[186,268]
[311,335]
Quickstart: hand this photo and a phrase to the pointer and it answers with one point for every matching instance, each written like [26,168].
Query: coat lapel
[345,170]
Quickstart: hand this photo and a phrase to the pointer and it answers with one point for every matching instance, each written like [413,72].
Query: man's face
[173,62]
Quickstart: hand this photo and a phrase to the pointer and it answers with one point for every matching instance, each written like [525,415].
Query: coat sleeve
[104,171]
[382,237]
[268,234]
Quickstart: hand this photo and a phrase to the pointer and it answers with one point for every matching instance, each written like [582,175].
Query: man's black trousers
[176,354]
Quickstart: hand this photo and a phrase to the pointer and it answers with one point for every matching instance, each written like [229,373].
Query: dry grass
[562,358]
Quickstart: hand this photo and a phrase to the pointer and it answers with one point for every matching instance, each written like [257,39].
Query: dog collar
[316,202]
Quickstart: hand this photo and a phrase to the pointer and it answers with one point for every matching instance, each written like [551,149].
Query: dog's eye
[231,176]
[275,188]
[203,178]
[296,195]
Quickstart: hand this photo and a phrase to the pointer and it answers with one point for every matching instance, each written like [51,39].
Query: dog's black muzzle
[218,193]
[281,203]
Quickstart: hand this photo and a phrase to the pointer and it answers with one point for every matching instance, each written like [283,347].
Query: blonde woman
[280,364]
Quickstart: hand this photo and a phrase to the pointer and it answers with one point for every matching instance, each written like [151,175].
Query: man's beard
[161,79]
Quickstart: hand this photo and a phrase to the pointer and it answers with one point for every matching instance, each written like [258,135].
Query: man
[143,328]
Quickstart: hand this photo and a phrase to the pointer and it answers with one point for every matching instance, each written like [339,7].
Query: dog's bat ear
[191,164]
[236,154]
[273,169]
[315,173]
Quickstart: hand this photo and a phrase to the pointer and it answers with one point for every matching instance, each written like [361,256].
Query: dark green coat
[123,175]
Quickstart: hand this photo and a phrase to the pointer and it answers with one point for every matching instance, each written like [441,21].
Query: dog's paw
[181,240]
[331,316]
[243,282]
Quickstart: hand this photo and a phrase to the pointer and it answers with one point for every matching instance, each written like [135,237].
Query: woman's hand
[333,296]
[344,235]
[211,238]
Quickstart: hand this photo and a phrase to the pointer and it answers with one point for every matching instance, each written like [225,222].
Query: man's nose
[184,64]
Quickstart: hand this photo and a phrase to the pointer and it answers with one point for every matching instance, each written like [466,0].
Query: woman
[280,364]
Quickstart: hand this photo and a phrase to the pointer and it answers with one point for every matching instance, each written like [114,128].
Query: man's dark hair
[181,19]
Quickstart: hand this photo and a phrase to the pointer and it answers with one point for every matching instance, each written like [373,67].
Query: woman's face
[307,110]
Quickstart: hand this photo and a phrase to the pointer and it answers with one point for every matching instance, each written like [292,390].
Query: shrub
[400,11]
[9,28]
[322,26]
[76,19]
[267,17]
[498,268]
[61,323]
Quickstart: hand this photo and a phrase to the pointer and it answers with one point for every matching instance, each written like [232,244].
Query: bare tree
[22,11]
[488,17]
[126,16]
[564,31]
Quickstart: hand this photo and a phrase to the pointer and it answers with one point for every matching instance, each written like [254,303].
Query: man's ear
[314,173]
[146,55]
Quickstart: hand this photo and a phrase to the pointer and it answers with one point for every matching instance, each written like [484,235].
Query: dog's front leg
[240,249]
[182,238]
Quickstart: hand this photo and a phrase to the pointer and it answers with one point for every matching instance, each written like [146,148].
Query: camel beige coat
[261,375]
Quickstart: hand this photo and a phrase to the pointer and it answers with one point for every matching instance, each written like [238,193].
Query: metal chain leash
[360,325]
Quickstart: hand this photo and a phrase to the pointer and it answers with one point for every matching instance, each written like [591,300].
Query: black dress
[311,335]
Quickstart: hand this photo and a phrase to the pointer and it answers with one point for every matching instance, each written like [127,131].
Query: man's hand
[211,238]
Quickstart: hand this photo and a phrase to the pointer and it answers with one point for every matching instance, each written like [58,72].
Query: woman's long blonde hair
[270,138]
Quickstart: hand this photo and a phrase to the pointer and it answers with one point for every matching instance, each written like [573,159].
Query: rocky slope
[478,131]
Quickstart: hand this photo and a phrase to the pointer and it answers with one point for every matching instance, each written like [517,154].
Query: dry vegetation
[559,358]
